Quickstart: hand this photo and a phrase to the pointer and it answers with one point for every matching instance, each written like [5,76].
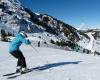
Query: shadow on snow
[48,66]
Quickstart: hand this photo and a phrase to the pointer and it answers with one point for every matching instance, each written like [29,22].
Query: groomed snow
[55,64]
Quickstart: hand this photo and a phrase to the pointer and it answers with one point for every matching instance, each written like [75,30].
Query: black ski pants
[21,59]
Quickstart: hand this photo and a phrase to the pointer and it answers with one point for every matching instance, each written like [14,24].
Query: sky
[78,13]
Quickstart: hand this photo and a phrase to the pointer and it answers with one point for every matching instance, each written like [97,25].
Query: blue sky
[74,12]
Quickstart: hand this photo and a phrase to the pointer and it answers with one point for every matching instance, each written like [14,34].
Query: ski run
[54,64]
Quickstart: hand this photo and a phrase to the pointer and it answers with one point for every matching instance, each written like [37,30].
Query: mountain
[94,32]
[14,18]
[18,18]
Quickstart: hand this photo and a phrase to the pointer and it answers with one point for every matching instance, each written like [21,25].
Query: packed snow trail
[54,64]
[90,45]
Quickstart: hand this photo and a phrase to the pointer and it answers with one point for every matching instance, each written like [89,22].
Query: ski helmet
[23,34]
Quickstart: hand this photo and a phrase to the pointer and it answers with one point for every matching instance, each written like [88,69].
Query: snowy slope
[54,64]
[93,43]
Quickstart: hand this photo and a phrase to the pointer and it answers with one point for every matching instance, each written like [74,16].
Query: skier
[15,51]
[39,44]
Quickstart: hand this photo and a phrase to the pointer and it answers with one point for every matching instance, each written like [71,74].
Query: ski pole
[47,62]
[34,48]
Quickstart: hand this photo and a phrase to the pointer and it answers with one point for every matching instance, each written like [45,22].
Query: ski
[15,75]
[9,74]
[19,74]
[12,77]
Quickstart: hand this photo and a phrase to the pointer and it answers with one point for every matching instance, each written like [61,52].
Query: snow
[34,39]
[90,44]
[44,36]
[55,64]
[37,13]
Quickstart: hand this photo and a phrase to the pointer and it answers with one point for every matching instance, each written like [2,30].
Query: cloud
[81,26]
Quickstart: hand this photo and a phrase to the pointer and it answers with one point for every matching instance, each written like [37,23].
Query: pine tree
[52,41]
[3,35]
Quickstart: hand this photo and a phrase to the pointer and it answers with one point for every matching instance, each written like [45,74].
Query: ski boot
[18,69]
[24,70]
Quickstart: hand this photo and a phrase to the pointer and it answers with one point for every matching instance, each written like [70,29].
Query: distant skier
[39,44]
[14,51]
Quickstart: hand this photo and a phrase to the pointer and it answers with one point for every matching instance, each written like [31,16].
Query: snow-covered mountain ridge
[17,18]
[14,18]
